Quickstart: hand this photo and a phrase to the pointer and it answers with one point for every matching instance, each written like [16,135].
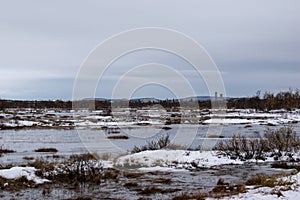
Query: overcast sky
[255,44]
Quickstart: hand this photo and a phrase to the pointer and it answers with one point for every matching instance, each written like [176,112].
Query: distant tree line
[35,104]
[97,104]
[268,101]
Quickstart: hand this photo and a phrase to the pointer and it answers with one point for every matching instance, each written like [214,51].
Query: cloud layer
[255,44]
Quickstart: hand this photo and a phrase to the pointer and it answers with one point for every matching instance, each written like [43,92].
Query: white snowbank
[275,121]
[107,164]
[228,121]
[18,172]
[179,159]
[246,117]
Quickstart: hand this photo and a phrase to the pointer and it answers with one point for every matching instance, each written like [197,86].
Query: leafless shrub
[42,165]
[161,143]
[276,142]
[79,169]
[282,140]
[239,147]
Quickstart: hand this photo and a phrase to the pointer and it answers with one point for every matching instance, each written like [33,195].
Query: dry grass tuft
[118,137]
[52,150]
[3,151]
[263,180]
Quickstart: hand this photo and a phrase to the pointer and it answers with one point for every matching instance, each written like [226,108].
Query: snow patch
[179,159]
[18,172]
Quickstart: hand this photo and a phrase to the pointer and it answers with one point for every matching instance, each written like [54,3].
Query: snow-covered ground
[247,116]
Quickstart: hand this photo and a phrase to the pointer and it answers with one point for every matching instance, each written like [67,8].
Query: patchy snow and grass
[18,172]
[267,193]
[20,118]
[179,159]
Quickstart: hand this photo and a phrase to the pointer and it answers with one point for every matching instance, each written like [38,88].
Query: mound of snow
[179,159]
[18,172]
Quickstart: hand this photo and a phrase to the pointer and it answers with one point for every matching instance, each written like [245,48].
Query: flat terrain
[38,149]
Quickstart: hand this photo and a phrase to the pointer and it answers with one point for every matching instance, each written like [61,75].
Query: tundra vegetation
[275,143]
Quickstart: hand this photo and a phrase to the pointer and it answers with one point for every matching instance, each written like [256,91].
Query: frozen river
[73,141]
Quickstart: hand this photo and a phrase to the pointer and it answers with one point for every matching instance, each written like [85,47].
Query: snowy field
[20,118]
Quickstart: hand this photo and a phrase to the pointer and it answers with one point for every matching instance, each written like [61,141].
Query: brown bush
[282,140]
[161,143]
[239,147]
[277,142]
